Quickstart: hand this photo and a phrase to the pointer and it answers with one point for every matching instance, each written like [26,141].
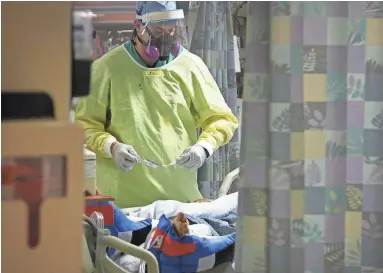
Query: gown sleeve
[91,112]
[214,116]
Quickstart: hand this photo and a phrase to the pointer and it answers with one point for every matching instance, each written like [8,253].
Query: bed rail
[228,181]
[103,264]
[124,247]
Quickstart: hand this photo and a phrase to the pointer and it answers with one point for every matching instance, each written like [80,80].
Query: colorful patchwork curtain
[311,189]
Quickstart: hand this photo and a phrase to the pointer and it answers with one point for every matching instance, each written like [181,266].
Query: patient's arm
[203,200]
[97,197]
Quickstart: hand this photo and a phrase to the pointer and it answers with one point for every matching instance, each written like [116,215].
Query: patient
[192,222]
[180,222]
[219,214]
[207,225]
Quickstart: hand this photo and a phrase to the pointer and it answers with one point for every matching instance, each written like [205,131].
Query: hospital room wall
[311,189]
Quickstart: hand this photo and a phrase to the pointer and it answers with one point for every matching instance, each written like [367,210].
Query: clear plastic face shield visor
[163,34]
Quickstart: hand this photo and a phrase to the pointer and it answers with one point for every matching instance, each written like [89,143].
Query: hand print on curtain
[211,30]
[311,189]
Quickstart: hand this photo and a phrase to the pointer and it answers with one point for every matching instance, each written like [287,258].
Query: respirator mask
[163,34]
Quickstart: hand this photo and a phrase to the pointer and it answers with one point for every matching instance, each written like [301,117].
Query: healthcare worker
[146,101]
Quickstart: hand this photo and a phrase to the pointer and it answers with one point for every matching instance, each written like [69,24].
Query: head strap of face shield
[158,17]
[141,8]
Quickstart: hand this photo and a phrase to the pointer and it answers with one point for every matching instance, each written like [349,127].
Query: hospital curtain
[311,189]
[211,30]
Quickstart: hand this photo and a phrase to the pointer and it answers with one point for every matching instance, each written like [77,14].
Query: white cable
[146,246]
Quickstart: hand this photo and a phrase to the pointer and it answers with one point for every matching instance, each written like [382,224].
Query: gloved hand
[125,156]
[193,157]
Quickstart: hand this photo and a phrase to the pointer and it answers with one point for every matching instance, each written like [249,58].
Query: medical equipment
[89,171]
[82,49]
[30,95]
[32,180]
[96,238]
[48,176]
[42,166]
[141,253]
[155,165]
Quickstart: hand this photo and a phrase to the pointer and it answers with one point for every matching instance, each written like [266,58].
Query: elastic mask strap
[149,32]
[145,26]
[141,41]
[134,35]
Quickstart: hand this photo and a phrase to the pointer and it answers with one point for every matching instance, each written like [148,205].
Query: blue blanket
[186,254]
[189,253]
[220,225]
[192,253]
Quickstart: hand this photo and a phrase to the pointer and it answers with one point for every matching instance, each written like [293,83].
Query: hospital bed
[99,262]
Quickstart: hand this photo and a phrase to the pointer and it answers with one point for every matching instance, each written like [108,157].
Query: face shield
[163,34]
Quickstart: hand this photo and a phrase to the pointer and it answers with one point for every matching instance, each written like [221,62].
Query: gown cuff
[207,146]
[108,143]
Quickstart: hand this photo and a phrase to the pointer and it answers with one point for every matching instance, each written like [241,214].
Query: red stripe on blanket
[169,246]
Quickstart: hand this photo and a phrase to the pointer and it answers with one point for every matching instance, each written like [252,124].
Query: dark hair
[134,35]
